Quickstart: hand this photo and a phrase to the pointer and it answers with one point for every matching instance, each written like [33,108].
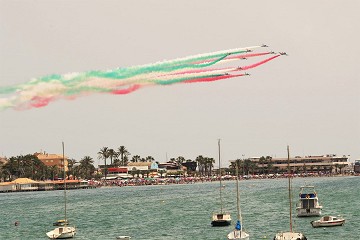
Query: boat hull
[311,212]
[62,233]
[329,222]
[238,235]
[221,219]
[220,223]
[290,236]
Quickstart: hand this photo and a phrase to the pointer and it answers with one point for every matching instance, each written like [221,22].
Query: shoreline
[92,184]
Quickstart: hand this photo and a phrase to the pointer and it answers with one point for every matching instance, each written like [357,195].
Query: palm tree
[262,162]
[71,165]
[117,162]
[104,154]
[86,167]
[200,162]
[123,153]
[179,160]
[210,164]
[149,159]
[112,154]
[136,158]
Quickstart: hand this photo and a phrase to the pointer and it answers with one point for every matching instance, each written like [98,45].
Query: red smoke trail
[259,63]
[247,55]
[199,71]
[211,79]
[127,90]
[40,101]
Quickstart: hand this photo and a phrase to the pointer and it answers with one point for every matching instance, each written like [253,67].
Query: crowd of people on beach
[192,180]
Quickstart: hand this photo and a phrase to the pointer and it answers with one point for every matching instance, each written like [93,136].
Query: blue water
[181,211]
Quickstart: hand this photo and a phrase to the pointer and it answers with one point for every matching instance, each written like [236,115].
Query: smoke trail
[39,92]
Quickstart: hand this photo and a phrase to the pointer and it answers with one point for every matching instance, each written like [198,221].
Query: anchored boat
[64,231]
[308,205]
[238,233]
[220,218]
[328,221]
[291,235]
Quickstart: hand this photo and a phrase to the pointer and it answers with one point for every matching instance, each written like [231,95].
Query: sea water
[181,211]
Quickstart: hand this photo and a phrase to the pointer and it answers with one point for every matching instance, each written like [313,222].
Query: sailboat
[291,235]
[238,232]
[64,231]
[220,218]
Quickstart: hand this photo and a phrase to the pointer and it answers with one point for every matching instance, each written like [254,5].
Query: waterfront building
[319,163]
[52,159]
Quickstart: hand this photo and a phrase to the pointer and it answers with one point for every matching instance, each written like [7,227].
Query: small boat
[123,237]
[63,231]
[61,222]
[238,233]
[328,221]
[221,218]
[291,235]
[308,205]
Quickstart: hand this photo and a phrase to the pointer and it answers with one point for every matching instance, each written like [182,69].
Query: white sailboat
[291,235]
[220,218]
[238,232]
[65,231]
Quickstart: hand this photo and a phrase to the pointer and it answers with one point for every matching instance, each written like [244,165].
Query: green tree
[86,167]
[123,153]
[71,166]
[180,160]
[201,164]
[136,158]
[112,155]
[104,154]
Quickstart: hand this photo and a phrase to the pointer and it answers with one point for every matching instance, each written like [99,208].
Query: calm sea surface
[181,211]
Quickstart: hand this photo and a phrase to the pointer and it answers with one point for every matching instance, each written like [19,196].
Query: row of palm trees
[29,166]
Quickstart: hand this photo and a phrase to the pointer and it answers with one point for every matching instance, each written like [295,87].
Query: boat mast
[221,204]
[289,177]
[238,193]
[64,179]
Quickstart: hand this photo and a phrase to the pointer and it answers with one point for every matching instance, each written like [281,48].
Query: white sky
[309,100]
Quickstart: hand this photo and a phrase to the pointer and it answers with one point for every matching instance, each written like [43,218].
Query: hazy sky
[309,100]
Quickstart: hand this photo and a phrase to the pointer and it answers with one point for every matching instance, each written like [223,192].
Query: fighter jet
[283,53]
[239,68]
[247,74]
[272,52]
[248,50]
[264,45]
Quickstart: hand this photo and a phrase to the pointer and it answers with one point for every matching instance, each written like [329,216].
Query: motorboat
[123,237]
[62,233]
[290,235]
[238,233]
[308,205]
[61,222]
[221,218]
[328,221]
